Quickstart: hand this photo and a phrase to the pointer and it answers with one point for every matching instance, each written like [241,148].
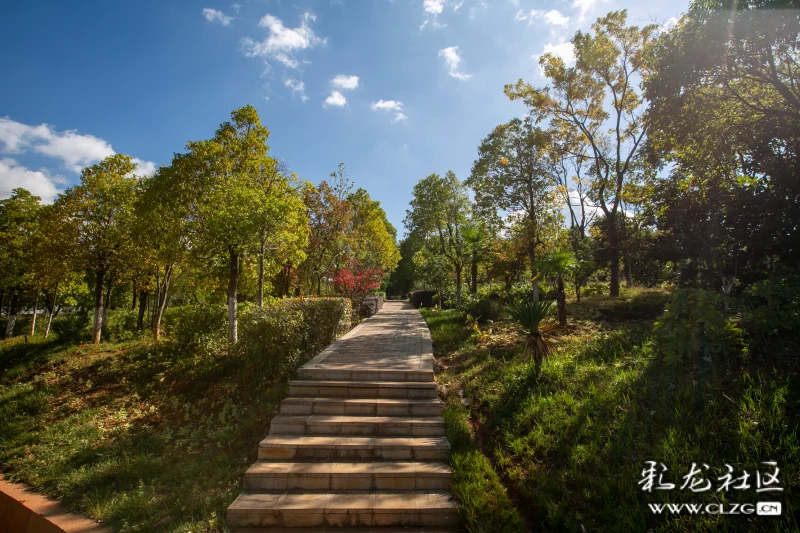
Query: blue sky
[394,89]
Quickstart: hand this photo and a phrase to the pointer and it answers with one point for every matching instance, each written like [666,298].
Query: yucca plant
[530,316]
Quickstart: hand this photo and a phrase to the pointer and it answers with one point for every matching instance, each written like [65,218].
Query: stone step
[377,426]
[362,389]
[361,406]
[339,374]
[279,476]
[286,447]
[306,510]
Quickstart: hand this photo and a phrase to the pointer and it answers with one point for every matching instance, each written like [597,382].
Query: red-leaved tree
[355,281]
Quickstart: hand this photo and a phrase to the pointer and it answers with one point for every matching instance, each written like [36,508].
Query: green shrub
[72,326]
[121,325]
[192,326]
[285,335]
[772,307]
[692,327]
[485,309]
[594,289]
[640,307]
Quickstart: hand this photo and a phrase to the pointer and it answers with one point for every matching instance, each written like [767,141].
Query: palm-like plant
[530,315]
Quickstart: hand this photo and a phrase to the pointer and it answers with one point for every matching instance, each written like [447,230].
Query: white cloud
[236,7]
[434,8]
[583,7]
[282,42]
[672,21]
[564,50]
[457,6]
[144,168]
[212,14]
[73,149]
[452,56]
[297,87]
[335,99]
[39,183]
[387,105]
[552,17]
[392,106]
[345,82]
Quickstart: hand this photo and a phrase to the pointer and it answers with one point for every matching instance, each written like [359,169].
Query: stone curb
[22,511]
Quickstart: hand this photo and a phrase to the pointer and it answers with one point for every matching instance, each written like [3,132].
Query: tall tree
[440,211]
[610,66]
[97,217]
[510,178]
[217,180]
[19,218]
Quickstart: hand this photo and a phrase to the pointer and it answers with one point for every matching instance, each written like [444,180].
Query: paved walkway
[360,440]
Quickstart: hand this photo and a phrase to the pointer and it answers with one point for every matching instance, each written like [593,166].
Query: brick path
[359,442]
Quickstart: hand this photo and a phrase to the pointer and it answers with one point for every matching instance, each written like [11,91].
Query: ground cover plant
[569,445]
[148,436]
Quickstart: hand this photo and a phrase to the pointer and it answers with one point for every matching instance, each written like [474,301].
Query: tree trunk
[534,277]
[261,272]
[11,315]
[133,305]
[97,326]
[474,273]
[2,299]
[108,304]
[52,312]
[613,247]
[628,276]
[578,290]
[233,290]
[458,286]
[142,306]
[33,317]
[561,297]
[163,291]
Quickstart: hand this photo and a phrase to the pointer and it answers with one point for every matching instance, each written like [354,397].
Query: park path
[359,442]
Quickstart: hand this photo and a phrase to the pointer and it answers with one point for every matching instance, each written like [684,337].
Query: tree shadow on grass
[582,434]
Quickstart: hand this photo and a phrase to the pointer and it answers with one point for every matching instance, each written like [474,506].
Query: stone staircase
[359,441]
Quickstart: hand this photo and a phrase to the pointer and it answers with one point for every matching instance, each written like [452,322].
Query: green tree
[609,68]
[509,177]
[440,211]
[97,217]
[19,219]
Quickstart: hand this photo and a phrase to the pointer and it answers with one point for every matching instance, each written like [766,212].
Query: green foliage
[530,316]
[121,325]
[193,326]
[692,327]
[281,337]
[72,326]
[485,309]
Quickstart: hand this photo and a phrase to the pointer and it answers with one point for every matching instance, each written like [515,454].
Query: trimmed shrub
[287,334]
[422,298]
[693,328]
[192,326]
[371,305]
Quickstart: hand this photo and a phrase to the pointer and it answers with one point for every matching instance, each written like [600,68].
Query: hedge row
[281,336]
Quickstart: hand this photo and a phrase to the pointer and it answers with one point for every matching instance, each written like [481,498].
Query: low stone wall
[22,511]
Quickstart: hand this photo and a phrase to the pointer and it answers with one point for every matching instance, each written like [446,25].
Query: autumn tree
[609,69]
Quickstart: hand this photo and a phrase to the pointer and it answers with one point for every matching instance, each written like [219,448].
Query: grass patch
[570,444]
[141,436]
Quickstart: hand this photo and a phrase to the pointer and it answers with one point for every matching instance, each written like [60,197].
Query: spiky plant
[530,316]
